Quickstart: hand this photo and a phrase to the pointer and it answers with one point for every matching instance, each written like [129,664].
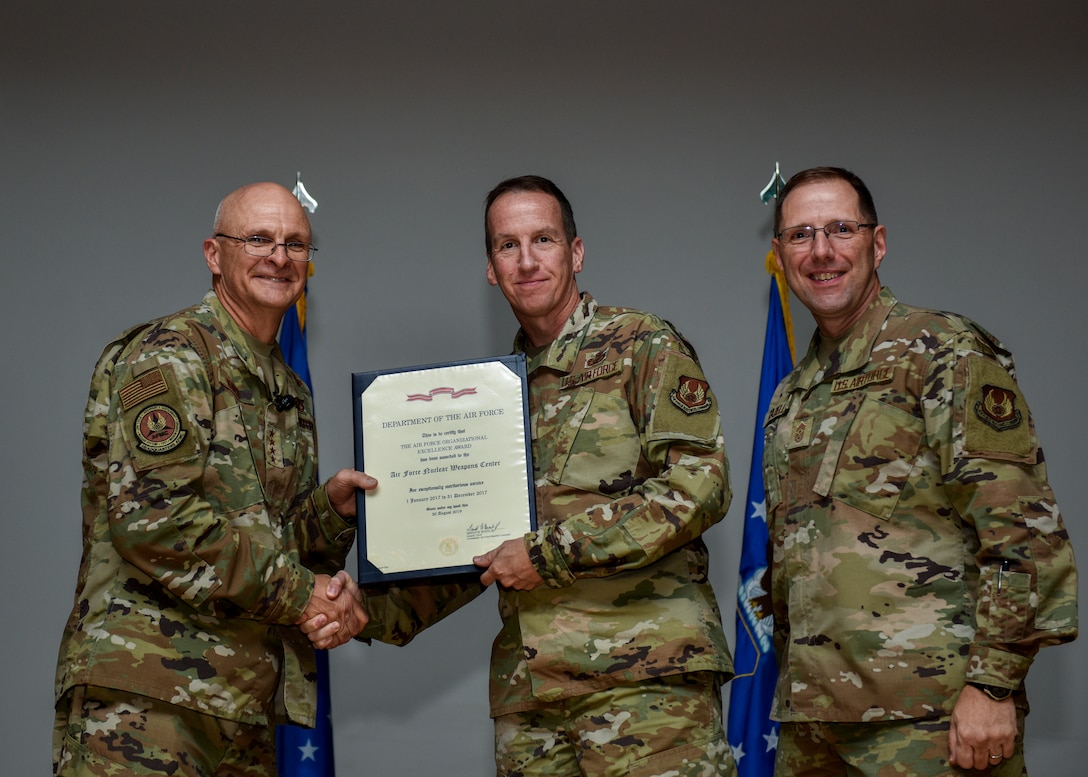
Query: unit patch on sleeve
[996,417]
[997,408]
[683,403]
[155,419]
[691,395]
[158,429]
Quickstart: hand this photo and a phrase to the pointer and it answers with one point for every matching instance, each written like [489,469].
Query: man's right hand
[331,619]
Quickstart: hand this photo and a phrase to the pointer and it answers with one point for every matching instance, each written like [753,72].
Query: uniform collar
[854,350]
[239,341]
[562,352]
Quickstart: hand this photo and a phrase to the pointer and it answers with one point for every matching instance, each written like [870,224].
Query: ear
[879,245]
[777,255]
[491,277]
[211,255]
[578,249]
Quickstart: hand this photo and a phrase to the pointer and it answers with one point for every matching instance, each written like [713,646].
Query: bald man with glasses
[206,538]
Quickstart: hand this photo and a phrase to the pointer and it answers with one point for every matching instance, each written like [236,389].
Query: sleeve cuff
[328,517]
[299,590]
[990,666]
[548,561]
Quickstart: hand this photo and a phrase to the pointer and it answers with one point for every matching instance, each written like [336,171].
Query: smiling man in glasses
[206,537]
[919,558]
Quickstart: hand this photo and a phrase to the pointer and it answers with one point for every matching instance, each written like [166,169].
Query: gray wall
[123,123]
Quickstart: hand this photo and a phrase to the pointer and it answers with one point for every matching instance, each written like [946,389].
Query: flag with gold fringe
[752,735]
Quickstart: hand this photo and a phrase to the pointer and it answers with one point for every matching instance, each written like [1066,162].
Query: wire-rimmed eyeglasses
[840,230]
[258,245]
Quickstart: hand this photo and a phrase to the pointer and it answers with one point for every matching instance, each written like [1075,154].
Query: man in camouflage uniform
[919,558]
[205,535]
[611,655]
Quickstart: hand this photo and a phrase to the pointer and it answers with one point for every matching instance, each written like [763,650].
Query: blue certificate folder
[451,448]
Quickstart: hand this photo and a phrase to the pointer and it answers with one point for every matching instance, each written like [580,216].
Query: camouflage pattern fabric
[202,526]
[107,733]
[913,748]
[916,542]
[630,470]
[670,727]
[399,611]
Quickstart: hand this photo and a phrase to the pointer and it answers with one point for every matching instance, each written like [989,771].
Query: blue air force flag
[305,752]
[752,735]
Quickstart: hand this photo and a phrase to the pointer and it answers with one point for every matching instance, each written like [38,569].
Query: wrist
[995,692]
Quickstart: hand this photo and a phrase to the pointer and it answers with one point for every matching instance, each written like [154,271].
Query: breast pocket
[876,458]
[229,478]
[597,445]
[771,477]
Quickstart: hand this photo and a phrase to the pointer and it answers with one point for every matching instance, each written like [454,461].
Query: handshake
[335,613]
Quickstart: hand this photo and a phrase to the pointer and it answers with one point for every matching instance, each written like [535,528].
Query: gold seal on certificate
[450,447]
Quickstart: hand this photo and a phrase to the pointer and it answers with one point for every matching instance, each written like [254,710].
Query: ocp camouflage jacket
[202,525]
[916,542]
[630,470]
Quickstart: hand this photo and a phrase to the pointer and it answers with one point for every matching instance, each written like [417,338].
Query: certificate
[450,447]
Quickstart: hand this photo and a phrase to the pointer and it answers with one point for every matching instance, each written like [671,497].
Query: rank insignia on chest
[691,395]
[158,429]
[997,408]
[593,358]
[801,433]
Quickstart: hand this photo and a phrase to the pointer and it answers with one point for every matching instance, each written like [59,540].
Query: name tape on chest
[592,373]
[879,375]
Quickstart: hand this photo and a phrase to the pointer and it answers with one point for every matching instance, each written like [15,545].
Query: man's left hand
[981,728]
[509,566]
[341,490]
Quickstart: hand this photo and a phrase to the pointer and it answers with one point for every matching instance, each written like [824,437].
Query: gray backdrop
[123,123]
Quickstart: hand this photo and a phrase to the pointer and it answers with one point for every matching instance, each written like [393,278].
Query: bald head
[265,194]
[257,287]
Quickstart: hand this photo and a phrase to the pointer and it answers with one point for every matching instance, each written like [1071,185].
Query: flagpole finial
[773,188]
[308,202]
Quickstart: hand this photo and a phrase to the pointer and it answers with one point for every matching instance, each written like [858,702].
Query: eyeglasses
[840,230]
[258,245]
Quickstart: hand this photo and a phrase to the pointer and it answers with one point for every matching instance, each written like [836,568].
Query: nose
[279,254]
[526,258]
[821,244]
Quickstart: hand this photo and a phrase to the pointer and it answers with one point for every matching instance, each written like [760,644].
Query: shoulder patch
[148,385]
[691,395]
[997,408]
[158,429]
[155,421]
[684,404]
[996,418]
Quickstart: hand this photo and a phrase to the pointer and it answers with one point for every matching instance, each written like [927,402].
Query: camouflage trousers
[909,748]
[669,726]
[99,732]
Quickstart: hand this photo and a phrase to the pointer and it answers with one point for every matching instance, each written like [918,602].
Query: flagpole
[752,734]
[305,752]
